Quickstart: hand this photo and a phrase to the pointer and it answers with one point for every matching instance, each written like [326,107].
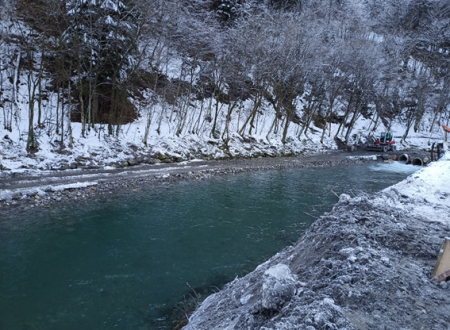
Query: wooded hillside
[204,63]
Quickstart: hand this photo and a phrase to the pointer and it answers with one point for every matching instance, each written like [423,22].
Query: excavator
[385,143]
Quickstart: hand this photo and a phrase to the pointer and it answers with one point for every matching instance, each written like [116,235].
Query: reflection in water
[124,262]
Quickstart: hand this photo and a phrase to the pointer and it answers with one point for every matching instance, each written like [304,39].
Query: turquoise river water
[123,262]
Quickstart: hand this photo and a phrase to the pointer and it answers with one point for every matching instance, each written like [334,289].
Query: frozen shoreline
[365,265]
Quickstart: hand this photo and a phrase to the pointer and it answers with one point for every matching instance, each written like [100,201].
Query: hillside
[88,84]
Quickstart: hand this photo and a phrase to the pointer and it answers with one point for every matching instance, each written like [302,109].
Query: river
[124,262]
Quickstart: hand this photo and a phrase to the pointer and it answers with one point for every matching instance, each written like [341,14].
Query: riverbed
[123,260]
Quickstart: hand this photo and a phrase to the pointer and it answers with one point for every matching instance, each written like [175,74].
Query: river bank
[365,265]
[45,189]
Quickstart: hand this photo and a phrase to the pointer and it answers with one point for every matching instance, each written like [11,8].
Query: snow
[6,194]
[245,299]
[102,149]
[195,141]
[279,271]
[430,188]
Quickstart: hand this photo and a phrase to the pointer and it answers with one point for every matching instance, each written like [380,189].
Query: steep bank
[365,265]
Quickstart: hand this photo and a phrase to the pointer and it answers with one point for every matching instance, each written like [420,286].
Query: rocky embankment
[365,265]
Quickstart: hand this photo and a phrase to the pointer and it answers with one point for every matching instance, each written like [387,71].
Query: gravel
[44,190]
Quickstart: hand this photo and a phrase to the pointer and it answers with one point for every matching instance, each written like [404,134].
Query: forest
[218,67]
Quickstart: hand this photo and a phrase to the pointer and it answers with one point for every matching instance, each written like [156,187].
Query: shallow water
[123,262]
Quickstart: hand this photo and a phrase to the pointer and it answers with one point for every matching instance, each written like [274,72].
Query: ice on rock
[245,299]
[344,198]
[278,287]
[347,252]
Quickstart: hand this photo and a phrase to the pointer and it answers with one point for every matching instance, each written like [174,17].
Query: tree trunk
[57,110]
[40,90]
[255,112]
[251,116]
[69,115]
[344,120]
[327,120]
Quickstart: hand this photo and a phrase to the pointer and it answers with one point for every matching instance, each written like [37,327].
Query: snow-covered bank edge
[72,186]
[365,265]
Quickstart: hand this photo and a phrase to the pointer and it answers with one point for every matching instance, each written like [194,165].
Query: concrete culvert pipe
[404,159]
[417,161]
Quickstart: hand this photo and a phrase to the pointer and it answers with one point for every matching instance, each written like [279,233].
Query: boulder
[278,287]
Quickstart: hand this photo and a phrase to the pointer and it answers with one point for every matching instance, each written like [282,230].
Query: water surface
[123,262]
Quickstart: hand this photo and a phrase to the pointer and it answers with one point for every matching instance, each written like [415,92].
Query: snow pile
[365,265]
[428,190]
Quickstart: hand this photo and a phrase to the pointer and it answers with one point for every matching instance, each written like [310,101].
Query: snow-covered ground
[98,148]
[171,135]
[430,188]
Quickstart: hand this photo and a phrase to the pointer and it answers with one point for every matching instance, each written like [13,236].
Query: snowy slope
[97,148]
[170,138]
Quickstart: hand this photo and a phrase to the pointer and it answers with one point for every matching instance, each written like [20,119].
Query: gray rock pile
[365,265]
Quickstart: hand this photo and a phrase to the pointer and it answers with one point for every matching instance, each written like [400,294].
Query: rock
[161,156]
[278,287]
[17,196]
[4,168]
[347,252]
[64,152]
[344,198]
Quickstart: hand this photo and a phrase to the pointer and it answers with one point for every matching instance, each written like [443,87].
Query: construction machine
[385,143]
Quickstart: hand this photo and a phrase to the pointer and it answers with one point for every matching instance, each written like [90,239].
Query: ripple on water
[124,262]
